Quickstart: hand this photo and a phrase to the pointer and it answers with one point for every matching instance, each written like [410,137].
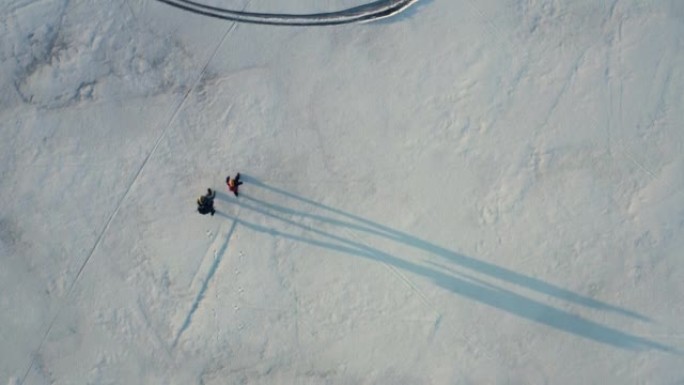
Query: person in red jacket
[233,184]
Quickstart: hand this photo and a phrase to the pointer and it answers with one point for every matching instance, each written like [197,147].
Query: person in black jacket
[205,204]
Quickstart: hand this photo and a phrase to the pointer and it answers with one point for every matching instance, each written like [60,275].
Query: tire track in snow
[364,13]
[474,264]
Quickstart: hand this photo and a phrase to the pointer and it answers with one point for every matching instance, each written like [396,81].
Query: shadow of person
[357,223]
[461,284]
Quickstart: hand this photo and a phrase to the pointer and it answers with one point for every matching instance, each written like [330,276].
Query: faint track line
[640,165]
[408,282]
[120,202]
[199,264]
[494,31]
[20,6]
[130,9]
[148,323]
[413,288]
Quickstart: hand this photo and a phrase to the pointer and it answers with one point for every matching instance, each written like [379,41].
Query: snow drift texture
[467,192]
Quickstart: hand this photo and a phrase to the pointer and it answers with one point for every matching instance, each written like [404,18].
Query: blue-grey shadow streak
[462,260]
[205,284]
[488,294]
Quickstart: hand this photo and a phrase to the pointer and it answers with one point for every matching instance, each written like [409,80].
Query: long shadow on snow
[464,261]
[376,10]
[467,286]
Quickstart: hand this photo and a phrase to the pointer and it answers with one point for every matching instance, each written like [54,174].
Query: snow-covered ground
[469,192]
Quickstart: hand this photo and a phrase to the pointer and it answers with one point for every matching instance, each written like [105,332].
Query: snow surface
[469,192]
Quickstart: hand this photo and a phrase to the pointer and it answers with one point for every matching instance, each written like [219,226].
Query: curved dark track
[372,11]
